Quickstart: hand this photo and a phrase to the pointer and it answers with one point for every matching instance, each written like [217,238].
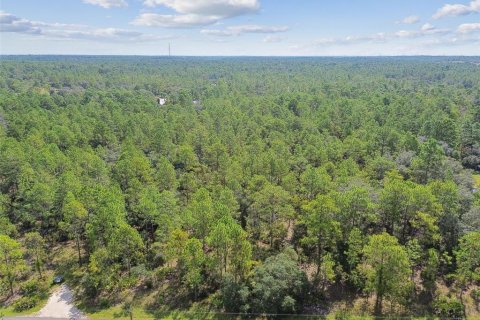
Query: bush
[162,273]
[3,287]
[475,294]
[343,315]
[29,288]
[34,288]
[278,285]
[234,295]
[25,303]
[448,308]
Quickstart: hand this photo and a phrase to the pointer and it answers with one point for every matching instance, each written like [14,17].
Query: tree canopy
[287,184]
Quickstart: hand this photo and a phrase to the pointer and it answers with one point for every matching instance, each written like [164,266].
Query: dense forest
[262,186]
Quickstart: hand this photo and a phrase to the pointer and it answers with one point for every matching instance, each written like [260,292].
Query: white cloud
[452,10]
[452,41]
[468,27]
[6,18]
[377,37]
[222,8]
[426,30]
[173,21]
[427,27]
[193,13]
[13,24]
[457,9]
[106,34]
[238,30]
[273,39]
[410,20]
[407,42]
[407,33]
[107,4]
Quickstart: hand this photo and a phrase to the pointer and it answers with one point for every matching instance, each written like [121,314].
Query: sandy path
[60,305]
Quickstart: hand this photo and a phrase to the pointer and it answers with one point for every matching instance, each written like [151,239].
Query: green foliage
[201,213]
[166,175]
[176,244]
[468,258]
[25,303]
[6,227]
[102,275]
[429,161]
[269,214]
[386,268]
[234,295]
[11,263]
[34,289]
[35,245]
[231,248]
[409,209]
[430,271]
[448,308]
[475,294]
[126,245]
[278,286]
[315,181]
[201,194]
[108,212]
[356,208]
[322,228]
[193,260]
[353,254]
[75,218]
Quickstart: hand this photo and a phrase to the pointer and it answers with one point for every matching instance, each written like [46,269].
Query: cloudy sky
[241,27]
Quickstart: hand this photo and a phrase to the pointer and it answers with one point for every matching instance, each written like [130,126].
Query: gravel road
[59,306]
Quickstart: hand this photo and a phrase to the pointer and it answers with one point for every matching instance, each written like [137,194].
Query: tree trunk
[271,229]
[11,287]
[39,267]
[319,255]
[378,304]
[225,261]
[78,250]
[379,299]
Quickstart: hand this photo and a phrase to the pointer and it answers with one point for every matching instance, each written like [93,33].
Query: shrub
[475,294]
[278,285]
[3,287]
[25,303]
[448,308]
[34,288]
[162,273]
[343,315]
[234,295]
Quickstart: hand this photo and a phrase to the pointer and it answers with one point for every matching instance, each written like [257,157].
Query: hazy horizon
[235,56]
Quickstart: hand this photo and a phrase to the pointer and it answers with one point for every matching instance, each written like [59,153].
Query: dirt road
[60,305]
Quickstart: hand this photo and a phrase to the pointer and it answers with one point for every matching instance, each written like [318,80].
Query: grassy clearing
[196,312]
[61,255]
[8,308]
[476,179]
[117,312]
[9,311]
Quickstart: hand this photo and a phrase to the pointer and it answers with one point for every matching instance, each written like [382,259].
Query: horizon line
[233,56]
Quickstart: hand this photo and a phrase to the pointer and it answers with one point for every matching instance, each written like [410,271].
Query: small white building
[161,101]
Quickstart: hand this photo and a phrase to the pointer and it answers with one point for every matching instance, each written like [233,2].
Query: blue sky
[241,27]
